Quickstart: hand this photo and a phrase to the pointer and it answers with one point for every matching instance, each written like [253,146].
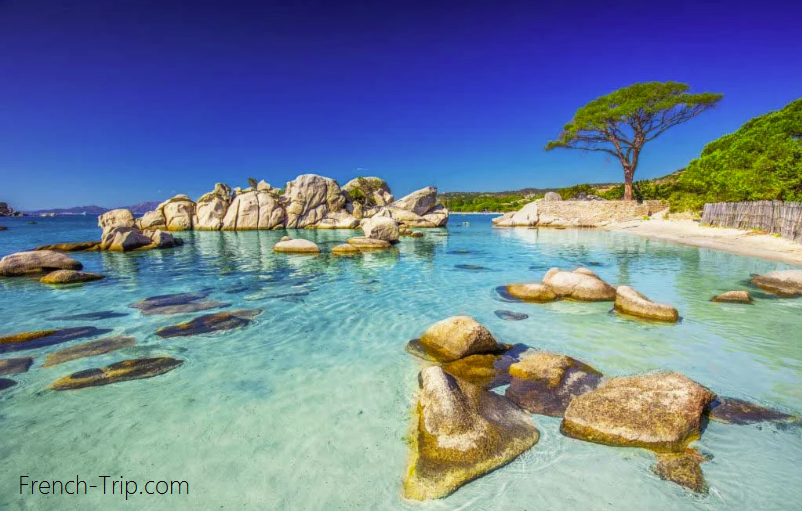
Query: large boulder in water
[630,302]
[115,218]
[527,216]
[381,228]
[211,208]
[124,239]
[69,277]
[461,432]
[299,246]
[152,220]
[38,261]
[126,370]
[532,292]
[179,213]
[310,198]
[544,383]
[662,412]
[579,285]
[419,202]
[454,338]
[258,209]
[784,283]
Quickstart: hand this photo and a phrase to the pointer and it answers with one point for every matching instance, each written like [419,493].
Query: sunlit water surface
[308,408]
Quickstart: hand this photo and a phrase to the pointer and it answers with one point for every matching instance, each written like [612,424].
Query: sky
[118,102]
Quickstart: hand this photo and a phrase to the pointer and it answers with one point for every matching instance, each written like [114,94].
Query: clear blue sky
[113,102]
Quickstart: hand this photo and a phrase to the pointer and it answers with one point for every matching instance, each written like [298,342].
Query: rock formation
[36,262]
[308,202]
[783,283]
[69,277]
[454,338]
[299,246]
[586,211]
[733,297]
[121,371]
[581,285]
[6,210]
[89,349]
[381,228]
[461,432]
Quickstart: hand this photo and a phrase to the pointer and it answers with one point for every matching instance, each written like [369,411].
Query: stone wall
[579,213]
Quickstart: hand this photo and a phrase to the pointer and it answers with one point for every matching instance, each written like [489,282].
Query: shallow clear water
[308,408]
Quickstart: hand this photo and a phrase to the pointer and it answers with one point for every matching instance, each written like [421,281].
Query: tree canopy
[621,122]
[760,161]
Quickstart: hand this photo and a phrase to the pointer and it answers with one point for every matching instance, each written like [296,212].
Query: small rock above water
[682,468]
[381,228]
[345,249]
[454,338]
[363,243]
[580,284]
[532,292]
[69,277]
[42,338]
[82,246]
[510,315]
[298,246]
[42,261]
[785,283]
[9,366]
[121,371]
[461,432]
[662,412]
[544,383]
[210,323]
[89,349]
[733,297]
[632,303]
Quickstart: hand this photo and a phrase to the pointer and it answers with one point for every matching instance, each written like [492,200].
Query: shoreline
[736,241]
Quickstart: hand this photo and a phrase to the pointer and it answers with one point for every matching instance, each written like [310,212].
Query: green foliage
[477,203]
[760,161]
[573,191]
[363,194]
[252,182]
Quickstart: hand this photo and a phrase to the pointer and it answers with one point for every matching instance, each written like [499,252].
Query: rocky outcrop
[381,228]
[454,338]
[308,202]
[461,432]
[69,277]
[42,338]
[115,218]
[784,283]
[544,383]
[299,246]
[630,302]
[682,468]
[211,209]
[126,370]
[6,210]
[363,243]
[9,366]
[588,212]
[533,292]
[662,412]
[36,262]
[580,284]
[126,239]
[81,246]
[733,297]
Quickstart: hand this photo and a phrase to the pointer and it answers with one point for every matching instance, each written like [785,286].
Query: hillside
[137,209]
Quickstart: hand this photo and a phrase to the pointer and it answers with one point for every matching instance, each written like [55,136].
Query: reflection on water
[308,407]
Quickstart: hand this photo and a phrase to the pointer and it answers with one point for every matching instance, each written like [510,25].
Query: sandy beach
[688,232]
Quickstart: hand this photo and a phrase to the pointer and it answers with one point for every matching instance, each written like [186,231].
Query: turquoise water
[308,408]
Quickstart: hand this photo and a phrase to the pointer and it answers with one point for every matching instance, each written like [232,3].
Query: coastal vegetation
[620,123]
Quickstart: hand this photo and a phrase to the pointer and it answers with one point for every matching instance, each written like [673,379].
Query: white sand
[688,232]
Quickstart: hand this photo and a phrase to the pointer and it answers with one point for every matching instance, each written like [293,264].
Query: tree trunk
[628,175]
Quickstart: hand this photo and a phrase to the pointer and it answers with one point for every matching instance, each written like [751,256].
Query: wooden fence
[783,218]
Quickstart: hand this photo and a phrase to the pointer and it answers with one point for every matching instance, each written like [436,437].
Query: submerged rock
[185,308]
[488,371]
[785,283]
[544,383]
[662,412]
[6,383]
[632,303]
[91,316]
[510,315]
[532,292]
[121,371]
[683,469]
[82,246]
[733,297]
[363,243]
[454,338]
[9,366]
[580,284]
[89,349]
[69,277]
[210,323]
[461,432]
[472,267]
[41,261]
[345,249]
[737,411]
[299,246]
[42,338]
[161,301]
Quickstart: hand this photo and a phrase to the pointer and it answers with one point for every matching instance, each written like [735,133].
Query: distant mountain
[136,209]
